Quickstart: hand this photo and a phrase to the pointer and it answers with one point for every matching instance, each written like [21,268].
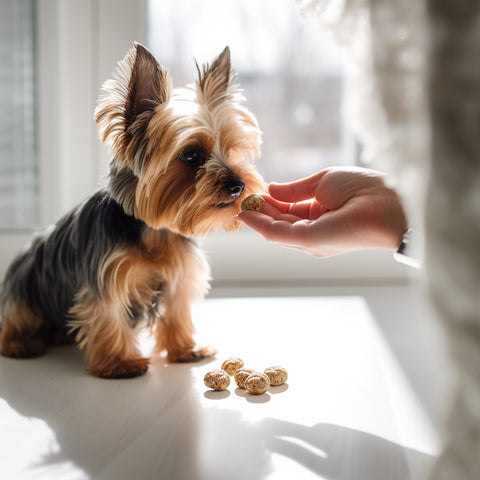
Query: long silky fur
[125,256]
[60,262]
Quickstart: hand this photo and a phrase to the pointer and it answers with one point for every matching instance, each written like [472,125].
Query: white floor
[368,385]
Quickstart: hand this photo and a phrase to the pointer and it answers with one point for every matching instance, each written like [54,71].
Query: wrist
[410,251]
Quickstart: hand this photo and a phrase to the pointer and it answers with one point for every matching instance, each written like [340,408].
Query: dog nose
[235,187]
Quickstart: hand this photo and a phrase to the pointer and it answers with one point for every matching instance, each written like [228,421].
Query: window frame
[77,47]
[72,162]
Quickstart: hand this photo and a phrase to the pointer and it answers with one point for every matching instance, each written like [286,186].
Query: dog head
[182,158]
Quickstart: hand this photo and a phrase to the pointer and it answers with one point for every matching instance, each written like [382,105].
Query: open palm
[335,211]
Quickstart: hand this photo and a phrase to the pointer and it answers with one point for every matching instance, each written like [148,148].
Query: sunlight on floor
[347,412]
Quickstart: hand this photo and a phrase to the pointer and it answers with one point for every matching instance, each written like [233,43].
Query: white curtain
[414,103]
[385,105]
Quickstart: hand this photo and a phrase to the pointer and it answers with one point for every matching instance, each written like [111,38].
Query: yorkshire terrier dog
[182,161]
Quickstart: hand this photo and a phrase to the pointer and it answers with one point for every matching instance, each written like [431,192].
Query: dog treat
[257,383]
[231,365]
[276,375]
[217,380]
[241,375]
[253,202]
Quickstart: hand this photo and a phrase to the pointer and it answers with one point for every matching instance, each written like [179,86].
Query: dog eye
[193,158]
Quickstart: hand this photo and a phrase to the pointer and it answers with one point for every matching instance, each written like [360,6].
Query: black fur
[59,262]
[123,184]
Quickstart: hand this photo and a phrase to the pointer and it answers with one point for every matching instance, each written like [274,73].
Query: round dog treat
[276,375]
[253,202]
[241,375]
[217,379]
[257,383]
[231,365]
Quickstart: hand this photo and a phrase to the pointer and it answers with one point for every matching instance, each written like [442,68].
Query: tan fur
[169,195]
[132,277]
[210,115]
[103,332]
[112,113]
[166,190]
[149,128]
[22,332]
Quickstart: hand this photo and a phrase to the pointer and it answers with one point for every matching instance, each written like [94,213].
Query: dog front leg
[175,331]
[102,330]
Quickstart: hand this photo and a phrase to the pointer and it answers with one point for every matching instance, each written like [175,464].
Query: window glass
[18,172]
[290,72]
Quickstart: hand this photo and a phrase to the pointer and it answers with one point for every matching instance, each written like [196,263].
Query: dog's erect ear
[213,84]
[128,100]
[149,85]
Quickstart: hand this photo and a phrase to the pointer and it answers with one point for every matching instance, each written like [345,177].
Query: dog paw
[27,348]
[130,368]
[194,355]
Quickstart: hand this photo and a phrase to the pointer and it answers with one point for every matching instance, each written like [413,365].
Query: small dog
[182,163]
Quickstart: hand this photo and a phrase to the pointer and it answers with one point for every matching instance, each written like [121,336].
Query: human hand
[337,210]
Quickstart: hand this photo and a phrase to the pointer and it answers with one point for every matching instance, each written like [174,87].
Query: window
[290,72]
[293,86]
[18,161]
[291,75]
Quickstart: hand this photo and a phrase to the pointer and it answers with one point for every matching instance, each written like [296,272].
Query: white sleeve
[410,252]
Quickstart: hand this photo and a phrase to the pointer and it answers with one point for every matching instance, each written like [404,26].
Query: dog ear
[214,82]
[129,99]
[148,87]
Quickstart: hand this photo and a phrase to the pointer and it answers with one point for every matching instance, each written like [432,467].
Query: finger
[250,218]
[256,221]
[271,210]
[297,191]
[276,231]
[273,202]
[310,209]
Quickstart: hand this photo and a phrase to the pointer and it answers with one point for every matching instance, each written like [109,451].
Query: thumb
[297,191]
